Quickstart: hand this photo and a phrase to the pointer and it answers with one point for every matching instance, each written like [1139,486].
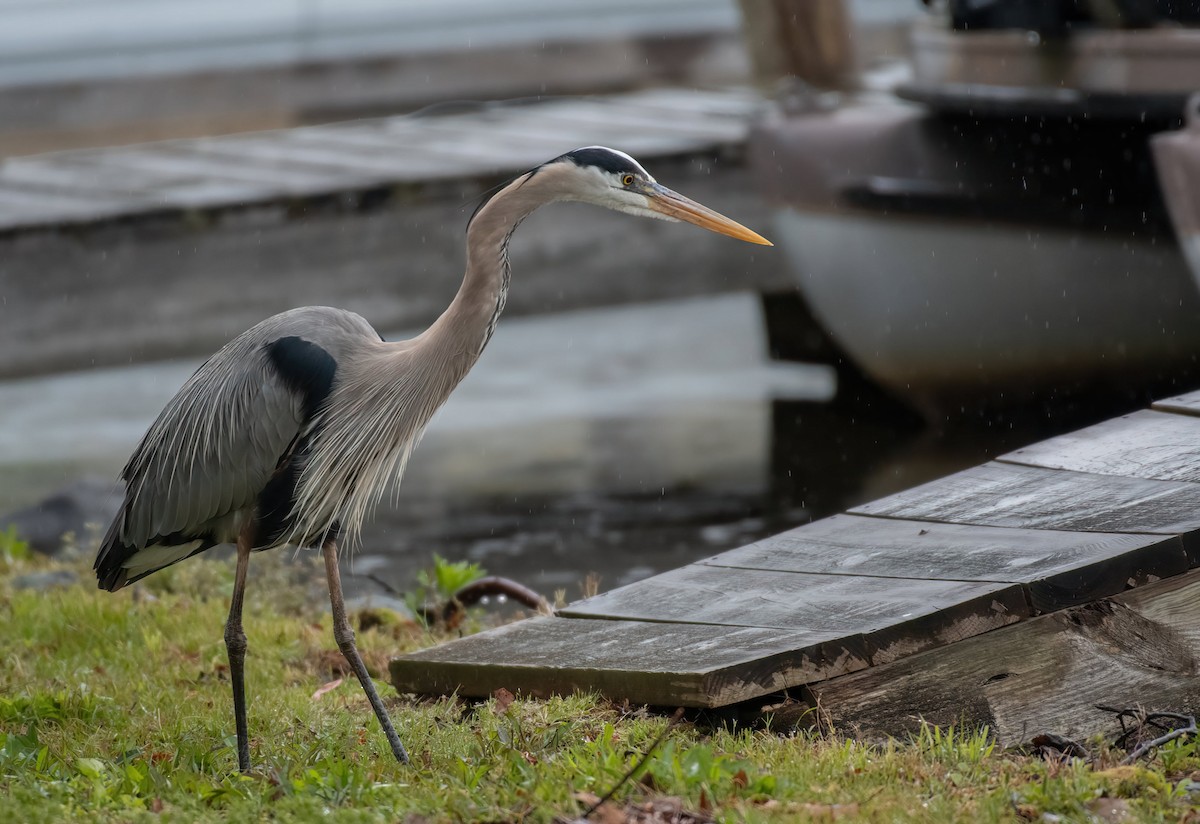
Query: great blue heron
[290,433]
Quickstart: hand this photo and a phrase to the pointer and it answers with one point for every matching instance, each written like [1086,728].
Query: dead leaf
[504,700]
[658,811]
[332,685]
[606,813]
[740,779]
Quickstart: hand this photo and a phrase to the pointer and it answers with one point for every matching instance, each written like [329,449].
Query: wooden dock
[138,253]
[1019,594]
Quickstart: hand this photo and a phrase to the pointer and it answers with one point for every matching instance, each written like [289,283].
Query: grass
[116,708]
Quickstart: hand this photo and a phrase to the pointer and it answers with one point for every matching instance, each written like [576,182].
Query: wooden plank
[458,146]
[692,665]
[274,181]
[73,174]
[1058,568]
[207,194]
[897,616]
[616,117]
[437,161]
[183,276]
[1185,404]
[572,133]
[355,167]
[1168,603]
[728,102]
[1001,494]
[1043,675]
[320,160]
[140,187]
[474,137]
[1144,444]
[26,207]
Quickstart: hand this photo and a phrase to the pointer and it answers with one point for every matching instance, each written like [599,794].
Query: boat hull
[944,315]
[957,271]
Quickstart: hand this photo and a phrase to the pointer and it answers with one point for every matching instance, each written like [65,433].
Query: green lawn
[116,707]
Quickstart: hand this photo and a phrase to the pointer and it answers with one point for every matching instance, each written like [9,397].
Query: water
[620,441]
[616,442]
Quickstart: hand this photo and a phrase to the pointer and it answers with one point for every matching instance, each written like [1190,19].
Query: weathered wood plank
[1058,568]
[138,188]
[897,616]
[354,167]
[728,102]
[1144,444]
[617,118]
[476,138]
[397,261]
[437,161]
[1169,603]
[1047,674]
[1001,494]
[274,182]
[1185,404]
[79,175]
[31,207]
[692,665]
[571,134]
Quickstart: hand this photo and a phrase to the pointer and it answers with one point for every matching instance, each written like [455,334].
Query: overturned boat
[996,229]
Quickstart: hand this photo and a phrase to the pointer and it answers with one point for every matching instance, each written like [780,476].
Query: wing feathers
[218,442]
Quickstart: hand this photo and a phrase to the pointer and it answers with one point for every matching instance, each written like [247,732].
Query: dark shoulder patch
[602,158]
[305,368]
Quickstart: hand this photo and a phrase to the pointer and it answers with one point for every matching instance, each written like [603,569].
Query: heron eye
[627,180]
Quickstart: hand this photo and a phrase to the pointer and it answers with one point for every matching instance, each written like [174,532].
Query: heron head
[614,180]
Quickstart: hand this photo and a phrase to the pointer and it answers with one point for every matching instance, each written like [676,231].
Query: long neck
[467,324]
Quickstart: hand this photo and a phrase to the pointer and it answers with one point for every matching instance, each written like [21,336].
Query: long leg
[235,645]
[344,635]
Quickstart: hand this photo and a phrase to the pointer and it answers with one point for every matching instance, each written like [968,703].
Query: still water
[616,442]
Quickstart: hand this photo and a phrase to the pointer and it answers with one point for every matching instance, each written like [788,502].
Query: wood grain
[1002,494]
[896,616]
[1043,675]
[1058,568]
[487,141]
[692,665]
[1185,404]
[1144,444]
[201,239]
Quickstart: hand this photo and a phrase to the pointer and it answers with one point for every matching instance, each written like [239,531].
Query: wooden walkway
[118,183]
[167,249]
[1019,593]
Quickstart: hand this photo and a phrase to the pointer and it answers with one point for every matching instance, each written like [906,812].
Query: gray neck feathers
[392,389]
[467,325]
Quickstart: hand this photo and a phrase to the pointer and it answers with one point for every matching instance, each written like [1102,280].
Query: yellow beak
[663,200]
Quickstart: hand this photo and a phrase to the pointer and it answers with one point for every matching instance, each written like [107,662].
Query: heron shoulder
[326,326]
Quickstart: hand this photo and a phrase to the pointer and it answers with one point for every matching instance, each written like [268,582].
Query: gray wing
[213,448]
[219,441]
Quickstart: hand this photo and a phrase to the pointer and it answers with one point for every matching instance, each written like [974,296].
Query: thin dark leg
[235,645]
[344,635]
